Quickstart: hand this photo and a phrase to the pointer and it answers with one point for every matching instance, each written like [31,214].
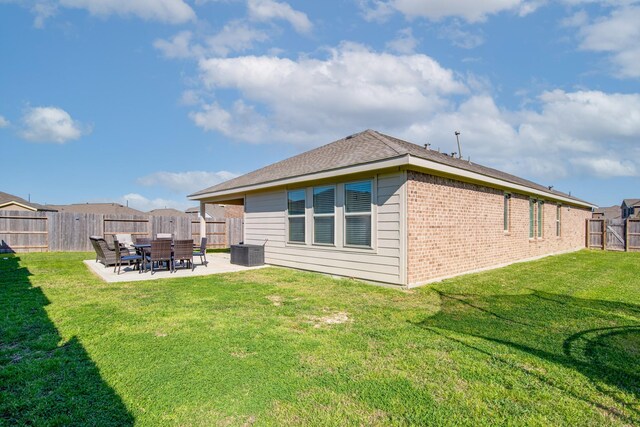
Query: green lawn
[551,342]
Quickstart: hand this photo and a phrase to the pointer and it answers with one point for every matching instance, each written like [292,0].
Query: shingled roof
[362,148]
[99,208]
[6,198]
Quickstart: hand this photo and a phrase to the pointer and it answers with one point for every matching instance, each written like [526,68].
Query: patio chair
[127,258]
[96,247]
[143,241]
[124,239]
[160,252]
[202,251]
[164,236]
[183,251]
[106,255]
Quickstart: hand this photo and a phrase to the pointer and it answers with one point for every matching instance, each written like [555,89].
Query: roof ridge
[386,141]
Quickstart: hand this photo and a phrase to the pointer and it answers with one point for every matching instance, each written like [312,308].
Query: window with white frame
[324,201]
[558,220]
[507,198]
[532,209]
[357,213]
[540,217]
[296,203]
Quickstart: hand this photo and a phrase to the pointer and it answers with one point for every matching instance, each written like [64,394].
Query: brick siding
[456,227]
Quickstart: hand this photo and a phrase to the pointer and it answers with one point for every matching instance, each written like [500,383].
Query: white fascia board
[31,208]
[420,163]
[365,167]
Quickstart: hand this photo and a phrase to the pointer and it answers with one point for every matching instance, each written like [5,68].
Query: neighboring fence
[65,231]
[613,235]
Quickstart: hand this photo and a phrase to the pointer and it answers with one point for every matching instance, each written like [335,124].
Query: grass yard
[551,342]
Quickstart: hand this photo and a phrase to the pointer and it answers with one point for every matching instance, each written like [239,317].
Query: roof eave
[397,161]
[405,160]
[429,165]
[13,202]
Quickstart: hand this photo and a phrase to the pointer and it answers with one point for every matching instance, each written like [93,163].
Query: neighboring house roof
[7,200]
[631,202]
[611,212]
[369,148]
[167,212]
[99,208]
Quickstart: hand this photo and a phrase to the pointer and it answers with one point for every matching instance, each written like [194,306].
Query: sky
[145,101]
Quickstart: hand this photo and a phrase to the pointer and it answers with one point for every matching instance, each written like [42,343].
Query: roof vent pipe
[457,133]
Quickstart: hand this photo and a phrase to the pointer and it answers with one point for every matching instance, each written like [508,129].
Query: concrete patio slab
[218,263]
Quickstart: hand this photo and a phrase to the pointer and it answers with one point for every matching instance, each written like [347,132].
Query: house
[167,212]
[609,213]
[9,202]
[99,208]
[630,208]
[218,211]
[374,207]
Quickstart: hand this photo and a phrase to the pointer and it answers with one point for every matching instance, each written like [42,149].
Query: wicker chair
[121,257]
[97,248]
[160,252]
[183,251]
[108,254]
[143,241]
[202,253]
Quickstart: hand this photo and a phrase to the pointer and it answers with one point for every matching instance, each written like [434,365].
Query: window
[507,197]
[540,217]
[357,213]
[296,203]
[324,200]
[558,218]
[532,204]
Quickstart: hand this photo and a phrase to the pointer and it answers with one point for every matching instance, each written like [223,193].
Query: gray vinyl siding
[266,220]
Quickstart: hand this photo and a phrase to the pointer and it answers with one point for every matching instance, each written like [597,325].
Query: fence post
[626,235]
[203,220]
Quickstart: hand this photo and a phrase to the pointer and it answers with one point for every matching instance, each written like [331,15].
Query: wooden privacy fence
[613,235]
[65,231]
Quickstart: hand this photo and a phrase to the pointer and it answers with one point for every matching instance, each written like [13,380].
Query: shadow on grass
[41,381]
[598,339]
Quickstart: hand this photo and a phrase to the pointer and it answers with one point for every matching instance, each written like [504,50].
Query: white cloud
[235,36]
[185,182]
[4,122]
[267,10]
[375,10]
[606,167]
[43,10]
[459,37]
[169,11]
[190,97]
[51,124]
[353,87]
[469,10]
[404,42]
[140,202]
[571,133]
[179,46]
[617,35]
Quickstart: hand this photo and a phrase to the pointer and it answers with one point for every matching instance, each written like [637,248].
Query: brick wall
[233,211]
[455,227]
